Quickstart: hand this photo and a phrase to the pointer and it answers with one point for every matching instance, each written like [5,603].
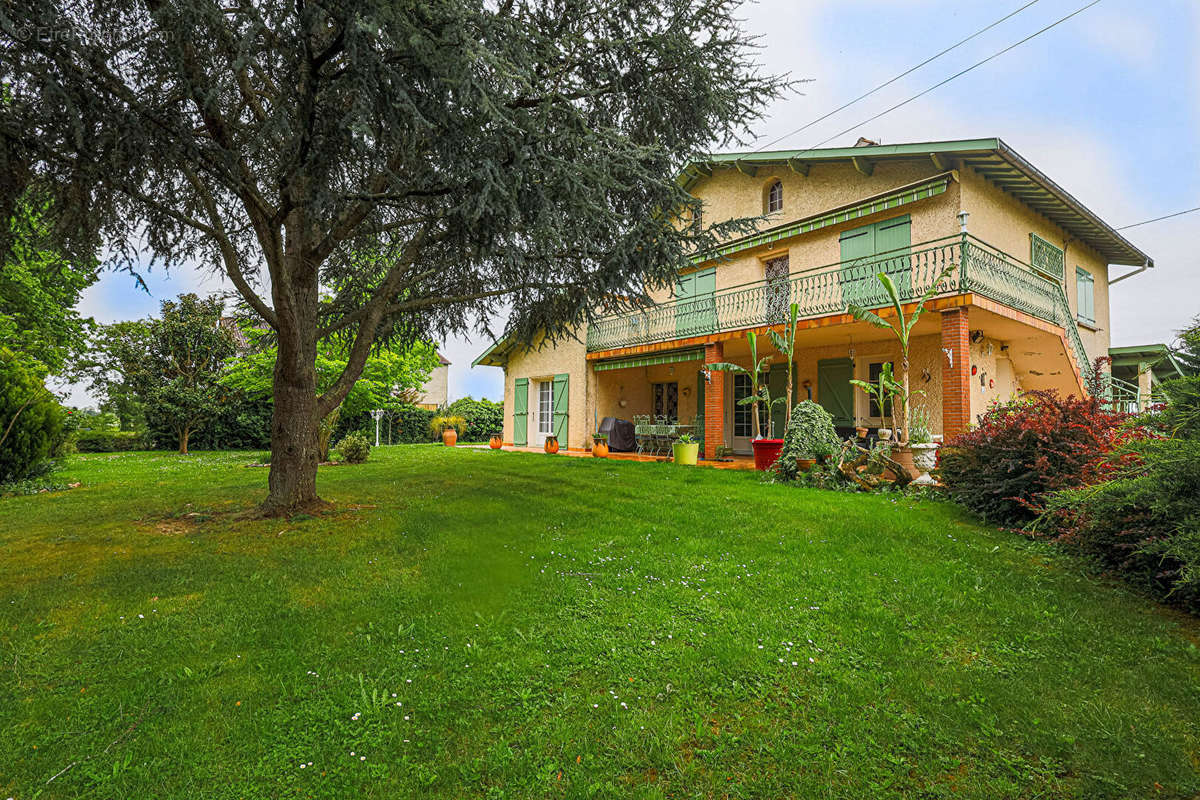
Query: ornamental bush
[484,417]
[1023,449]
[354,448]
[810,434]
[31,420]
[1144,523]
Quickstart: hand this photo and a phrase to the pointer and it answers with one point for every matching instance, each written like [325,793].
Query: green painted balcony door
[834,392]
[879,247]
[695,308]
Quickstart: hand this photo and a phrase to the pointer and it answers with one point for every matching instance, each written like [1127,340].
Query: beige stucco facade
[1001,352]
[436,391]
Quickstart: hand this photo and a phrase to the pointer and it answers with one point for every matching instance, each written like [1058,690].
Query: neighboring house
[1136,370]
[436,392]
[1026,306]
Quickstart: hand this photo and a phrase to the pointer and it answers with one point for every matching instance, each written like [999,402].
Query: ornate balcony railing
[974,266]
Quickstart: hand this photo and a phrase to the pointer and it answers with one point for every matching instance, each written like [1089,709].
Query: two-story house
[1025,306]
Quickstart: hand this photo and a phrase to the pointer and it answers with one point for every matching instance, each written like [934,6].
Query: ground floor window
[545,407]
[743,415]
[666,400]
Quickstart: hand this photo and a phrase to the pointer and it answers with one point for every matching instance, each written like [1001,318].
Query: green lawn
[480,624]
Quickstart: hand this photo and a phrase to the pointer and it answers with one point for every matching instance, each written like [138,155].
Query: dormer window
[775,197]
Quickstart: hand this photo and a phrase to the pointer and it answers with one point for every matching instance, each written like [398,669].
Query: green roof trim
[1133,355]
[990,158]
[895,198]
[494,356]
[694,354]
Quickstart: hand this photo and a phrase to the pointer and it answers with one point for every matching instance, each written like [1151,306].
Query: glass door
[545,410]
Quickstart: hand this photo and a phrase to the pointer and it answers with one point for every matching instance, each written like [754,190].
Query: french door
[545,416]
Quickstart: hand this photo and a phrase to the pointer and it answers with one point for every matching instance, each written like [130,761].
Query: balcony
[975,267]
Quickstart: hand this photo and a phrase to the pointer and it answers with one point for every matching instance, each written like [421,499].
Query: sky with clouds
[1107,104]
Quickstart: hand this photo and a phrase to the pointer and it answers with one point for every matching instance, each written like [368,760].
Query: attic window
[775,197]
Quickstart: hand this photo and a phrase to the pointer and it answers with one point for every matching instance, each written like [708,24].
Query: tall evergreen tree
[435,161]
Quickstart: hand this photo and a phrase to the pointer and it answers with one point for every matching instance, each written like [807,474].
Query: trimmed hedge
[111,441]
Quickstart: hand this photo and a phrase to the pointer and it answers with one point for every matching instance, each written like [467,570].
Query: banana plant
[883,392]
[786,344]
[758,390]
[902,328]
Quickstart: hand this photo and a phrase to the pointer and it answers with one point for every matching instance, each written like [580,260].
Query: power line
[1157,219]
[898,77]
[958,74]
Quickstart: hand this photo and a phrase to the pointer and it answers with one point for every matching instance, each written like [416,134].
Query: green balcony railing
[974,266]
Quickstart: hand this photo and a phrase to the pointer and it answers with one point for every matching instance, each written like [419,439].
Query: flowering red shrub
[1024,448]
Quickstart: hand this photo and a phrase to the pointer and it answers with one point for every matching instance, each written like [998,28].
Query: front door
[545,412]
[834,391]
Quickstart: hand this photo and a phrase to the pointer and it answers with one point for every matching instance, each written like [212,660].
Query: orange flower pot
[449,437]
[496,442]
[600,449]
[551,444]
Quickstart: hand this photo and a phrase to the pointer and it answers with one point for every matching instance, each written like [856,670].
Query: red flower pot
[766,452]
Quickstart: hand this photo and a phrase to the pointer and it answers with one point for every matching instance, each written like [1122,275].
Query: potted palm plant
[902,328]
[766,451]
[448,426]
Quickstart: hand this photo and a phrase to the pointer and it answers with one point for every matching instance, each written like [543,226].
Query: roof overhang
[1152,354]
[990,158]
[494,356]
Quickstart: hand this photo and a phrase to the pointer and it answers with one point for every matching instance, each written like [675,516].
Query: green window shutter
[860,246]
[894,237]
[521,412]
[695,311]
[1085,296]
[560,408]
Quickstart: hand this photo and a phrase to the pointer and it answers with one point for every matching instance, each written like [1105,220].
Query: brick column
[956,372]
[714,402]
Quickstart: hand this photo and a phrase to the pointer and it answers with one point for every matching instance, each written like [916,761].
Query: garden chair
[643,432]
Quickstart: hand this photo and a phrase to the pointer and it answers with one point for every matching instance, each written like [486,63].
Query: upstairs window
[1085,296]
[775,197]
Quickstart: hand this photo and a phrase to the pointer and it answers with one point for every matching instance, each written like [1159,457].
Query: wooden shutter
[521,411]
[560,408]
[695,311]
[861,246]
[1085,295]
[834,391]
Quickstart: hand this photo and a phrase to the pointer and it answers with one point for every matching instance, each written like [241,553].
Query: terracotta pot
[903,456]
[805,464]
[449,437]
[551,444]
[766,453]
[496,442]
[600,449]
[861,432]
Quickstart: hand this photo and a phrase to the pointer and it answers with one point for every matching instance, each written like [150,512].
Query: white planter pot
[924,459]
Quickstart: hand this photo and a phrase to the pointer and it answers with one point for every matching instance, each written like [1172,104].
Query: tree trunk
[295,446]
[904,398]
[184,434]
